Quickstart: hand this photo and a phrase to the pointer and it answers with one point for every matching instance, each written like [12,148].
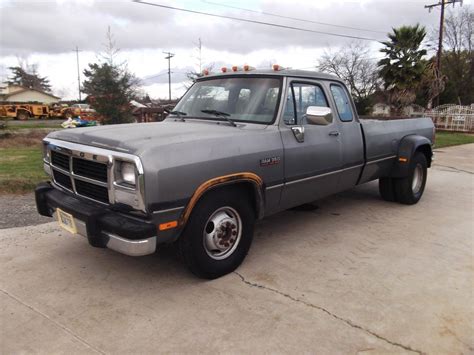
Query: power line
[290,17]
[254,21]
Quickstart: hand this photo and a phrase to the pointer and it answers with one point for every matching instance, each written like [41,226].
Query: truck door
[312,150]
[352,144]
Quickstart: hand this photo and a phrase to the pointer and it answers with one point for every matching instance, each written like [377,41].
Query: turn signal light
[167,225]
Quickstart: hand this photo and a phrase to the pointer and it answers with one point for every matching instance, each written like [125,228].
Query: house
[144,113]
[381,109]
[384,110]
[17,93]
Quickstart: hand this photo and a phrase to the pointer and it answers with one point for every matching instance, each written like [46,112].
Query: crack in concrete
[66,329]
[454,168]
[322,309]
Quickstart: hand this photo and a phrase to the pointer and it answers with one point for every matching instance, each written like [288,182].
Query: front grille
[62,179]
[81,168]
[60,160]
[90,169]
[93,191]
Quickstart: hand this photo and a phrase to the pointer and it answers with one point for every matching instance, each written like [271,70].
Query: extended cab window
[343,104]
[300,97]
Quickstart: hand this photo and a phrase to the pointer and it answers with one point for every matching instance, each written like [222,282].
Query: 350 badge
[270,161]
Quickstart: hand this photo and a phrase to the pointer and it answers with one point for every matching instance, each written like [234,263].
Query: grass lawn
[13,125]
[33,126]
[21,168]
[447,139]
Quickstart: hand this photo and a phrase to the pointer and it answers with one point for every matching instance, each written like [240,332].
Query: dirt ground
[19,211]
[356,275]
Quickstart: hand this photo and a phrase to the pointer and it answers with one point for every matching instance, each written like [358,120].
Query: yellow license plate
[66,221]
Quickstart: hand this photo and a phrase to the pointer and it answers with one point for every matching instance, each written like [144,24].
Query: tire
[227,209]
[409,190]
[22,115]
[387,189]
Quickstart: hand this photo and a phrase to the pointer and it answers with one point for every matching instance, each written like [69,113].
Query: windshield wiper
[180,114]
[224,115]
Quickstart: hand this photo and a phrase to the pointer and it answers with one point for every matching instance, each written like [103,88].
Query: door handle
[334,133]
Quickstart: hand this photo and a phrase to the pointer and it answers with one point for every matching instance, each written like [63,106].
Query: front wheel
[22,115]
[410,189]
[218,234]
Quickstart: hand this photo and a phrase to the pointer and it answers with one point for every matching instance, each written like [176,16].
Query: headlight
[46,152]
[126,173]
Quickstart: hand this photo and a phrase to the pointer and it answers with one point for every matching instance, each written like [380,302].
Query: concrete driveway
[355,275]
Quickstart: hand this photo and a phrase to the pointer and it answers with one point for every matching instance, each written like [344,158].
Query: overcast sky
[45,33]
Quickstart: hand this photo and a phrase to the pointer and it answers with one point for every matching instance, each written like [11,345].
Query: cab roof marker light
[235,68]
[248,67]
[276,67]
[205,72]
[224,69]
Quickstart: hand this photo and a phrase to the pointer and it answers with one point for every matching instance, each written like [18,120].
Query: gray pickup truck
[238,146]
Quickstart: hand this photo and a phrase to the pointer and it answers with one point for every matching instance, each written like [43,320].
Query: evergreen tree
[403,67]
[110,86]
[29,79]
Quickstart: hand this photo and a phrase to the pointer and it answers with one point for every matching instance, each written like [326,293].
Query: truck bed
[382,138]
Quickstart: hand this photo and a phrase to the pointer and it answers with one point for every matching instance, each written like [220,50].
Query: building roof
[25,89]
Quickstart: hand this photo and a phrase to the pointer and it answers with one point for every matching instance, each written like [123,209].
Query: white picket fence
[450,117]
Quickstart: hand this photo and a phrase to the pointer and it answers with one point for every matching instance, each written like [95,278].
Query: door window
[343,104]
[289,115]
[300,97]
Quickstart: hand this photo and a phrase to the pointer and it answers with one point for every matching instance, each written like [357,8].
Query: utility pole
[199,47]
[78,71]
[169,56]
[442,4]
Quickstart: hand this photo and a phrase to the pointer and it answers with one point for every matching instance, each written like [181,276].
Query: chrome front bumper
[124,246]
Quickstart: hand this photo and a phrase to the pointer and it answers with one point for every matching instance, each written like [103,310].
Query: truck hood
[136,138]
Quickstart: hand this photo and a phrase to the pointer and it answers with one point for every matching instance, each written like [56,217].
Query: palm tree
[403,66]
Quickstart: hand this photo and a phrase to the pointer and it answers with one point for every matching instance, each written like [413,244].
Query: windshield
[239,99]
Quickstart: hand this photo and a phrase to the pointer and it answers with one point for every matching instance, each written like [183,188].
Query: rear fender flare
[406,150]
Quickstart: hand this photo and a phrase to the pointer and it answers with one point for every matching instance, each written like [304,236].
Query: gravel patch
[19,211]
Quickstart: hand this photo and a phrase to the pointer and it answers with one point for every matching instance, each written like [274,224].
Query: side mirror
[317,115]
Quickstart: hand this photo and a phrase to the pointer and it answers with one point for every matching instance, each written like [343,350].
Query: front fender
[254,179]
[406,150]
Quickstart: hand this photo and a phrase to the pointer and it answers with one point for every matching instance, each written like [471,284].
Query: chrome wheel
[222,233]
[417,181]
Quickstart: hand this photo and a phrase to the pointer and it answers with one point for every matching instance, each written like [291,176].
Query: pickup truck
[239,146]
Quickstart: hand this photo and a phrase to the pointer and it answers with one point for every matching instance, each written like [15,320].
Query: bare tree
[110,52]
[457,69]
[200,66]
[352,64]
[459,30]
